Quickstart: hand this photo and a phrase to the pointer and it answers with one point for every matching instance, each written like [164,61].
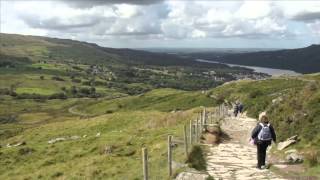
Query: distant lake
[270,71]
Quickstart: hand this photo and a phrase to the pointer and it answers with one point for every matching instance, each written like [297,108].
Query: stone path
[235,158]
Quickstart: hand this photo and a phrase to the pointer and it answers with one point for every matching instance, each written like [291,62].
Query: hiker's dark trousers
[261,151]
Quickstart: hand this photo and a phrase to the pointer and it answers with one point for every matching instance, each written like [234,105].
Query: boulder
[291,151]
[295,137]
[294,158]
[287,143]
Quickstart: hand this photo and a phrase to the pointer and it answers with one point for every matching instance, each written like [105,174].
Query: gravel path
[235,158]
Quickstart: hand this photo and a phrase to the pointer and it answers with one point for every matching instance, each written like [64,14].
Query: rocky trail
[235,158]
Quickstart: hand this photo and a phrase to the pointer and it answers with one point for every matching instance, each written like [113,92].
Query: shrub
[57,78]
[312,157]
[85,91]
[196,159]
[57,174]
[58,96]
[5,91]
[8,119]
[73,90]
[109,111]
[255,93]
[25,151]
[76,80]
[30,96]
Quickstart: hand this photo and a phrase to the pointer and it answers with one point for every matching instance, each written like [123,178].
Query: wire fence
[192,133]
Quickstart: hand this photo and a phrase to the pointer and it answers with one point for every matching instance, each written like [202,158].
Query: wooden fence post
[145,163]
[185,140]
[197,131]
[191,133]
[200,123]
[169,156]
[223,110]
[204,119]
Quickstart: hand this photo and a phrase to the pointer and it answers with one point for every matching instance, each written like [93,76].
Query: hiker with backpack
[262,135]
[240,108]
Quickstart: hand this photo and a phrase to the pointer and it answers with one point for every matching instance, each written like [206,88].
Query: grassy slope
[83,158]
[159,99]
[137,125]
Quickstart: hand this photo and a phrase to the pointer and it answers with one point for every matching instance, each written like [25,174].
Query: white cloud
[315,27]
[198,34]
[254,9]
[157,20]
[126,11]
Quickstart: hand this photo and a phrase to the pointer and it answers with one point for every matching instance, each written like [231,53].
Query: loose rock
[52,141]
[192,176]
[75,137]
[17,144]
[287,143]
[108,149]
[177,165]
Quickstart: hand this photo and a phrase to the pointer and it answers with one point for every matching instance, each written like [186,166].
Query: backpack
[265,133]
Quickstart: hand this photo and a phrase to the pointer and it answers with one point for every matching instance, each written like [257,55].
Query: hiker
[240,110]
[262,135]
[236,109]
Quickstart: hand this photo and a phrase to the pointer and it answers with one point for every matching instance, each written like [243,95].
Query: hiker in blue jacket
[262,135]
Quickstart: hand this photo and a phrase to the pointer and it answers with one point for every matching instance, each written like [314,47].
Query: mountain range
[302,60]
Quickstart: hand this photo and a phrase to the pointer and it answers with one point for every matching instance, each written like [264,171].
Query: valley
[81,111]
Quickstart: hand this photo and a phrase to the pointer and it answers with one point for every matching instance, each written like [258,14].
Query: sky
[168,23]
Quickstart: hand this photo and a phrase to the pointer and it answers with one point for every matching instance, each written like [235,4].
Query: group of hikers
[238,108]
[262,135]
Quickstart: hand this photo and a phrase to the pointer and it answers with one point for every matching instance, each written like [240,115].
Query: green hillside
[295,106]
[129,123]
[122,69]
